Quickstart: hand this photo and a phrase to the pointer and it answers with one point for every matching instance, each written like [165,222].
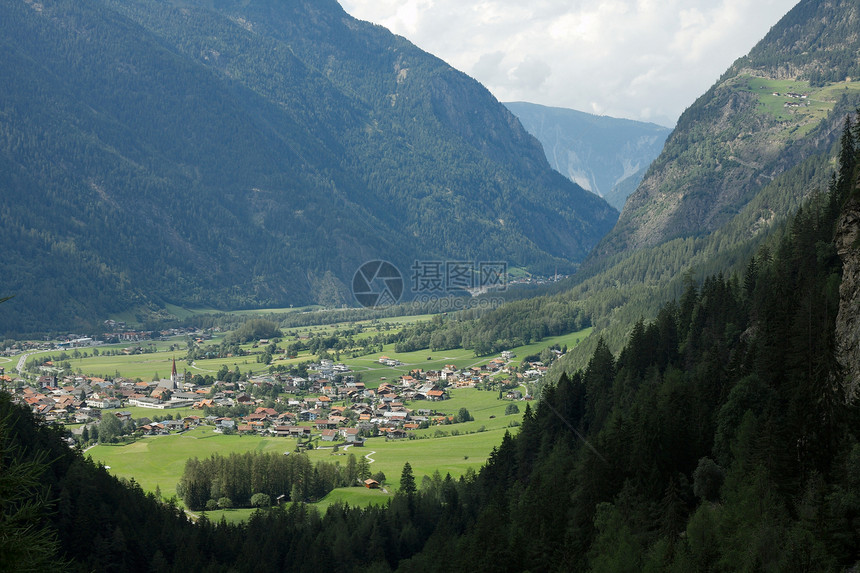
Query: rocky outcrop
[848,319]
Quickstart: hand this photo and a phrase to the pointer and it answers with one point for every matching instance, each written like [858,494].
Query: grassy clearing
[143,366]
[570,340]
[137,412]
[160,460]
[354,496]
[228,515]
[819,101]
[454,454]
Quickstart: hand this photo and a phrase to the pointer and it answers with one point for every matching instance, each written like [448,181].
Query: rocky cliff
[848,319]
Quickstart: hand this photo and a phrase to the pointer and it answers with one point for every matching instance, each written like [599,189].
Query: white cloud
[643,59]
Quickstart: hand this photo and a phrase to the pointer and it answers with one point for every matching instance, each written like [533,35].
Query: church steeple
[173,377]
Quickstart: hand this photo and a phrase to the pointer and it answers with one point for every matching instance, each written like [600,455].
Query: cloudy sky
[639,59]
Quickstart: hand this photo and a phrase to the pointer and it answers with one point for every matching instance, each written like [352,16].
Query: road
[22,360]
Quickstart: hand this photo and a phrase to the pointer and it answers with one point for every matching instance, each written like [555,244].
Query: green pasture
[482,404]
[229,515]
[212,365]
[137,412]
[147,365]
[372,372]
[454,454]
[569,340]
[370,326]
[355,496]
[143,366]
[160,460]
[817,105]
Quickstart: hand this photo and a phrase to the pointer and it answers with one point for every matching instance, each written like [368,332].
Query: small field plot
[373,372]
[797,102]
[454,455]
[355,496]
[176,413]
[570,340]
[160,460]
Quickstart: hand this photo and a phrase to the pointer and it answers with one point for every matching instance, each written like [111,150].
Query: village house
[329,435]
[103,401]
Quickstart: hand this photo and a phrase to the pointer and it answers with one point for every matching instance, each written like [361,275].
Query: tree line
[239,477]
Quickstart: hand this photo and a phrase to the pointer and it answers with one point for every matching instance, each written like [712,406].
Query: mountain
[239,154]
[605,155]
[774,108]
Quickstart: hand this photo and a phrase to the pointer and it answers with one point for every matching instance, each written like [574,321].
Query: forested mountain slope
[233,154]
[606,155]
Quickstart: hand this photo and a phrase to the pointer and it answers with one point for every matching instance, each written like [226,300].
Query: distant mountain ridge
[605,155]
[238,154]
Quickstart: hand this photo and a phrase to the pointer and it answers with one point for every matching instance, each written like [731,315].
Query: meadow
[819,101]
[158,461]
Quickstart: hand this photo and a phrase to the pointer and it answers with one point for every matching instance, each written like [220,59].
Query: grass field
[354,496]
[454,454]
[160,460]
[818,103]
[137,412]
[569,340]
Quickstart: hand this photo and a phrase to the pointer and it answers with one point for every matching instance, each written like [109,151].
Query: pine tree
[847,160]
[26,542]
[407,480]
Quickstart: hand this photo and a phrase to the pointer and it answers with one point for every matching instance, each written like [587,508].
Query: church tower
[174,379]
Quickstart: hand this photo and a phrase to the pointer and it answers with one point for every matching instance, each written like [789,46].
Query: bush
[225,503]
[464,416]
[512,409]
[707,480]
[261,500]
[211,505]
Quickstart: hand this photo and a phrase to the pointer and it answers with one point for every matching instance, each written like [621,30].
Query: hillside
[238,154]
[770,111]
[605,155]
